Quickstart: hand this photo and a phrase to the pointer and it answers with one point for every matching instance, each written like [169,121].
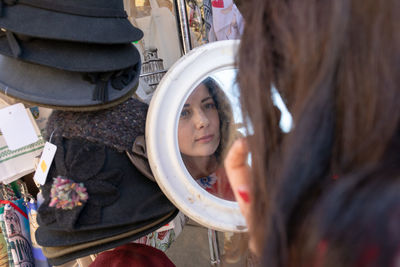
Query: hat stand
[183,25]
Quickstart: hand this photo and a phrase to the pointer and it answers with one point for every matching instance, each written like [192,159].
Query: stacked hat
[95,198]
[70,55]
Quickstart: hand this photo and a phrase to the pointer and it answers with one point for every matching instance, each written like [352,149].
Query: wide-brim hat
[94,249]
[132,234]
[70,56]
[82,239]
[92,151]
[66,90]
[91,21]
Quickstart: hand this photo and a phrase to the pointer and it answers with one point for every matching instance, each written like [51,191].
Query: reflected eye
[210,105]
[185,113]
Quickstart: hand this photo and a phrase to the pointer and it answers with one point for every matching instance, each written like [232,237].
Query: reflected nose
[201,120]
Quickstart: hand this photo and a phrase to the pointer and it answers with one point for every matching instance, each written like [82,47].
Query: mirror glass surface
[209,122]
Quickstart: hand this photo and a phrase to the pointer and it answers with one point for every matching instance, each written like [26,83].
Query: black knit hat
[106,194]
[91,21]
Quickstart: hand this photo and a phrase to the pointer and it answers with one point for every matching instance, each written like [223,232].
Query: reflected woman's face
[198,130]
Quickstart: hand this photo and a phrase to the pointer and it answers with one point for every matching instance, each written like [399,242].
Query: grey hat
[90,21]
[67,90]
[70,56]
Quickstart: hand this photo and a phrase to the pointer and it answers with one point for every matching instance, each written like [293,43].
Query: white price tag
[49,151]
[16,127]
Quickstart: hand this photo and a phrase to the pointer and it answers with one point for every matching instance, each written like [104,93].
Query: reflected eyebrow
[186,105]
[205,99]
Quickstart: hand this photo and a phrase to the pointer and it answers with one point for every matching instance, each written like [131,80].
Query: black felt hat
[107,195]
[91,21]
[63,254]
[67,90]
[91,149]
[93,250]
[70,56]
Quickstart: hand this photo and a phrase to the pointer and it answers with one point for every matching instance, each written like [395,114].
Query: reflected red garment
[217,184]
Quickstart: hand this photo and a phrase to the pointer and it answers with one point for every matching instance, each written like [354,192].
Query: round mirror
[193,118]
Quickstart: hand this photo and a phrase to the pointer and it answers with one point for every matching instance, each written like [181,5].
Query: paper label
[16,127]
[49,151]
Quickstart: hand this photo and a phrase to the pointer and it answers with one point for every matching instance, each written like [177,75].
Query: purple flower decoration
[65,194]
[70,205]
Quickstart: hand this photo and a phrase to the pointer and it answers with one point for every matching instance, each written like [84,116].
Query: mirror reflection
[208,123]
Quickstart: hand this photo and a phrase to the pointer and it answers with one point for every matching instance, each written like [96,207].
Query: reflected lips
[205,139]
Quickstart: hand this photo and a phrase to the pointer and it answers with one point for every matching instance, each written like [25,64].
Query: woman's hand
[238,172]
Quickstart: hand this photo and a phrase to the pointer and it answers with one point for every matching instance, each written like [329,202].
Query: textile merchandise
[17,228]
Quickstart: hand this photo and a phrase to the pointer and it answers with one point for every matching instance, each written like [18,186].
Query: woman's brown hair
[336,65]
[225,115]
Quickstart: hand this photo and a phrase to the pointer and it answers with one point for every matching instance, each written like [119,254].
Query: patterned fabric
[9,191]
[17,163]
[162,239]
[18,236]
[3,251]
[4,231]
[217,184]
[40,259]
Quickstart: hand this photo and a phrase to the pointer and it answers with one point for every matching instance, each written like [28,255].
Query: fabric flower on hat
[65,194]
[88,187]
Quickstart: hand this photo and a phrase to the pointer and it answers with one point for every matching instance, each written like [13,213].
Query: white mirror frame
[162,141]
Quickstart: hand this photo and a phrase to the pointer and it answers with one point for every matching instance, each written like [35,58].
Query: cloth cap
[133,254]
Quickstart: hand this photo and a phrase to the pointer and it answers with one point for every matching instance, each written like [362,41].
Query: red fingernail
[244,194]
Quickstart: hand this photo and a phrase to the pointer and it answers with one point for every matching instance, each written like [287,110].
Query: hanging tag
[46,159]
[16,127]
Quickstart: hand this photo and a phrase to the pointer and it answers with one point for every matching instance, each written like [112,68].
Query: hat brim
[61,26]
[57,89]
[93,249]
[73,56]
[51,238]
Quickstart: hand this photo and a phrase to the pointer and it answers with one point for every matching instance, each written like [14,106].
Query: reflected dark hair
[225,115]
[336,65]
